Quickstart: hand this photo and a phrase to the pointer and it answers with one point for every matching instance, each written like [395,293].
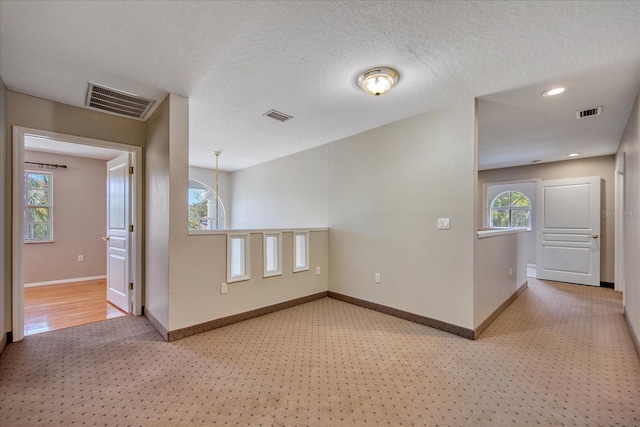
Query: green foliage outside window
[202,208]
[37,206]
[511,209]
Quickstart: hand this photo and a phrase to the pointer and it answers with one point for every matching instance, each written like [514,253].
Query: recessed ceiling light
[378,81]
[554,91]
[574,154]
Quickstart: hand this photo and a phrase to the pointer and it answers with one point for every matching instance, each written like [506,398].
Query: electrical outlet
[317,271]
[510,272]
[80,258]
[223,288]
[376,277]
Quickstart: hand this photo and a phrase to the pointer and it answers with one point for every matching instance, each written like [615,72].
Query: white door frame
[19,134]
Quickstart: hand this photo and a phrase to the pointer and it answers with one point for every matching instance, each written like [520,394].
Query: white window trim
[278,237]
[297,269]
[50,206]
[247,261]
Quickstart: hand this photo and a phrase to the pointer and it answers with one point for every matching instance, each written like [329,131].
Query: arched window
[202,208]
[510,209]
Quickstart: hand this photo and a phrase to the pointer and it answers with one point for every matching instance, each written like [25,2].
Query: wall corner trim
[633,334]
[416,318]
[499,310]
[6,339]
[156,324]
[224,321]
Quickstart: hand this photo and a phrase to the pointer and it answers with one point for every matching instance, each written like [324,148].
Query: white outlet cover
[223,288]
[443,223]
[318,271]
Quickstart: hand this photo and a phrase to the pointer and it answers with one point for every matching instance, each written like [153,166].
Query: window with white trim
[300,251]
[238,263]
[202,208]
[38,206]
[510,209]
[272,254]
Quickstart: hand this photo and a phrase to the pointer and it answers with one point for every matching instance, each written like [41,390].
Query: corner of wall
[5,217]
[630,145]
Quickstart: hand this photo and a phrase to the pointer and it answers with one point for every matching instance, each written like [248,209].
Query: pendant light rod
[217,153]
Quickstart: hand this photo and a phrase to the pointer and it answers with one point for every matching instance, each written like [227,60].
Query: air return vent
[118,102]
[278,115]
[583,114]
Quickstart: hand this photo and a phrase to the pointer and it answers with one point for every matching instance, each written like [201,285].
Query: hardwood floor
[47,308]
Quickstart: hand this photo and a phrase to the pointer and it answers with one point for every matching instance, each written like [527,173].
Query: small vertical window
[272,254]
[300,251]
[38,206]
[237,258]
[510,209]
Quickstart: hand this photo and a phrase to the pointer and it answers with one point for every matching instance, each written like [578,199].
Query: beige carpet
[559,355]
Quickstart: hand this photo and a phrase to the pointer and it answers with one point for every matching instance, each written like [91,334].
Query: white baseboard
[57,282]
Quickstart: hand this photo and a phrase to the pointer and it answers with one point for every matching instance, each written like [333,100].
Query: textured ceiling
[237,60]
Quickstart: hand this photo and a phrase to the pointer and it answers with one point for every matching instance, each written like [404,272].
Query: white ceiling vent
[278,115]
[117,102]
[583,114]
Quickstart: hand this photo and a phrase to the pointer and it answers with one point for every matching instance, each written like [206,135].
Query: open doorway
[71,254]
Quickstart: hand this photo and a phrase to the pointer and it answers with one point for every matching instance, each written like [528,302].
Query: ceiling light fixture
[573,155]
[554,91]
[377,81]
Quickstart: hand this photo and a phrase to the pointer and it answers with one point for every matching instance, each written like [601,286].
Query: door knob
[104,239]
[595,236]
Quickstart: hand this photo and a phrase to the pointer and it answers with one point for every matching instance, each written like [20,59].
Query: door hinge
[131,286]
[131,228]
[130,170]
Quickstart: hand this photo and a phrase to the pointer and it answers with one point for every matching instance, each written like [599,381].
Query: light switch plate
[223,288]
[443,223]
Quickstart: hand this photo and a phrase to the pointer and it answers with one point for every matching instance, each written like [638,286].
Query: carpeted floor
[559,355]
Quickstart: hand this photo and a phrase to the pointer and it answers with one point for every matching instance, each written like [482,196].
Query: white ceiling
[236,60]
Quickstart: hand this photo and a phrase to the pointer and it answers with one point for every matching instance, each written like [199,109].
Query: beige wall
[381,193]
[594,166]
[184,271]
[286,192]
[197,297]
[387,189]
[630,145]
[5,215]
[79,221]
[157,214]
[179,276]
[500,269]
[37,113]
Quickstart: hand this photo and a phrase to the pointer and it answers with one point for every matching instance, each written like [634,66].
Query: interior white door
[568,236]
[118,222]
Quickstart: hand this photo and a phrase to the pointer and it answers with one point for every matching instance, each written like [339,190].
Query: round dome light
[378,81]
